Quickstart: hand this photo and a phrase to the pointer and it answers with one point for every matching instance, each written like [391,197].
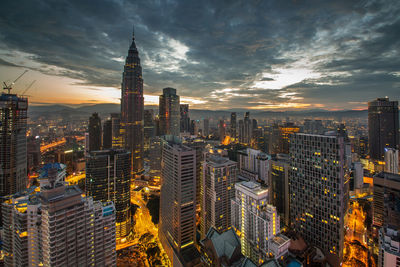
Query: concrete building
[219,178]
[233,132]
[107,134]
[392,160]
[206,127]
[386,210]
[319,191]
[108,179]
[254,165]
[383,126]
[117,137]
[169,112]
[56,226]
[257,221]
[389,247]
[149,128]
[178,199]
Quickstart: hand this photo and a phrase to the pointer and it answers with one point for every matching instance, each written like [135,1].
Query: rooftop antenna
[9,86]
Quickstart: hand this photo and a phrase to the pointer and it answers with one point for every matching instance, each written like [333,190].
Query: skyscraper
[94,132]
[13,153]
[386,210]
[254,164]
[108,179]
[221,129]
[57,226]
[178,197]
[391,160]
[383,126]
[319,191]
[149,128]
[219,178]
[169,112]
[257,222]
[185,120]
[233,125]
[107,134]
[206,127]
[132,105]
[116,135]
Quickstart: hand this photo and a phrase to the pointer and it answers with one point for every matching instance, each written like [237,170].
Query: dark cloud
[201,47]
[8,64]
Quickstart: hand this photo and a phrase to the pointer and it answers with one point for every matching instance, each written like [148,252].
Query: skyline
[250,55]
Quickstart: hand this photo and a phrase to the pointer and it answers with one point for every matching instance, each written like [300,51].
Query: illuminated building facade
[319,190]
[132,106]
[219,178]
[116,135]
[178,198]
[392,160]
[169,112]
[284,133]
[254,164]
[256,220]
[13,152]
[386,210]
[108,179]
[56,226]
[184,120]
[233,126]
[94,132]
[279,186]
[155,153]
[383,126]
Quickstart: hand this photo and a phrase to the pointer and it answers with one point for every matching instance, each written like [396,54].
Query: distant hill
[104,110]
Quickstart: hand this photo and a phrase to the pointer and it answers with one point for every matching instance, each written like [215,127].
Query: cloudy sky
[218,54]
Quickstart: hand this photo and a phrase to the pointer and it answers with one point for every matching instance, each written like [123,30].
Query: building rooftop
[280,239]
[218,161]
[251,187]
[388,176]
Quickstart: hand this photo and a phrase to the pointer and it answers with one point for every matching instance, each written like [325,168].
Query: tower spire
[133,32]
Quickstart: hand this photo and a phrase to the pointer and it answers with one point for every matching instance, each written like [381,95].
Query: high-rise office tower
[94,132]
[13,153]
[218,181]
[206,127]
[178,198]
[194,127]
[155,152]
[257,222]
[383,126]
[169,112]
[149,128]
[319,191]
[108,179]
[116,135]
[132,105]
[185,120]
[279,186]
[107,134]
[386,209]
[254,164]
[221,130]
[392,160]
[248,129]
[241,131]
[284,133]
[198,145]
[233,126]
[57,226]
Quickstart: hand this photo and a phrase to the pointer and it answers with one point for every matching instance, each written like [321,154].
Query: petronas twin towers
[132,105]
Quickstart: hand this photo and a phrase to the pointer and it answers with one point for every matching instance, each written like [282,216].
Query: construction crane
[9,86]
[27,88]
